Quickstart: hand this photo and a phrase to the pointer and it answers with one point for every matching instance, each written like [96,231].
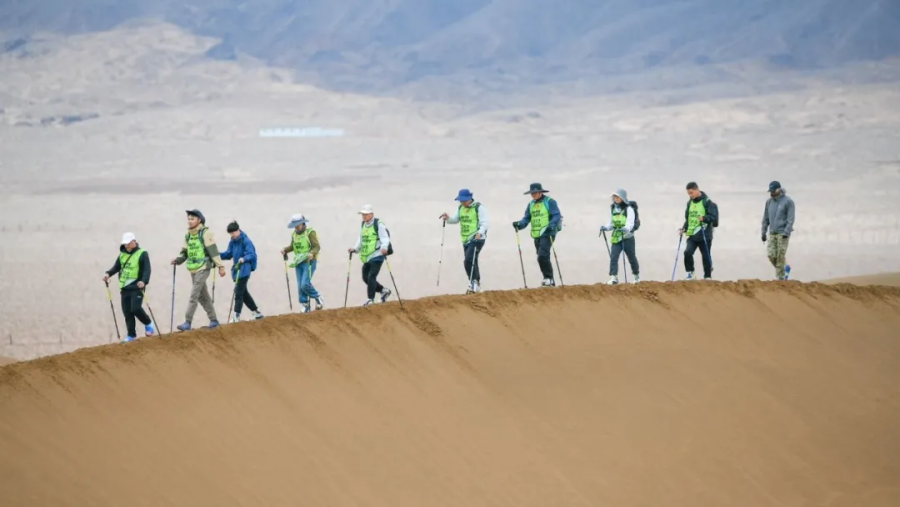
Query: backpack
[187,238]
[706,205]
[244,246]
[559,227]
[637,216]
[388,231]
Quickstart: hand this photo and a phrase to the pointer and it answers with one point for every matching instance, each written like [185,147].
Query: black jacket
[143,268]
[711,217]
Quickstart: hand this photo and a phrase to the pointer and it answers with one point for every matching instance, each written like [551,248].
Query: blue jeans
[304,281]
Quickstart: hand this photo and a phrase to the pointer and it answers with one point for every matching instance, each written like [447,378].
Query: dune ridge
[692,393]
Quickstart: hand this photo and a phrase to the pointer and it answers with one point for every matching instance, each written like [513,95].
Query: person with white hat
[372,245]
[305,245]
[133,267]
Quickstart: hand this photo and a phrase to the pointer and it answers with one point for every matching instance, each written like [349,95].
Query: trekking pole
[624,257]
[347,290]
[233,293]
[441,261]
[553,248]
[287,281]
[677,251]
[392,281]
[309,282]
[109,295]
[708,253]
[521,262]
[144,293]
[172,317]
[474,267]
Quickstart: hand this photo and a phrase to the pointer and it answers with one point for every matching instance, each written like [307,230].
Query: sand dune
[6,360]
[743,393]
[887,279]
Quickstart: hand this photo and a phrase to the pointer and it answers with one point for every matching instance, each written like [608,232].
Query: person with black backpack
[623,222]
[243,252]
[373,245]
[701,216]
[472,218]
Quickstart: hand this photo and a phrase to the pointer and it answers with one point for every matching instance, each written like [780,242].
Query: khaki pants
[776,248]
[200,294]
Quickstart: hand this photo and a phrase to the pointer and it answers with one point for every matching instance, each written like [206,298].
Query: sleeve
[789,224]
[227,254]
[555,215]
[182,255]
[687,209]
[144,265]
[526,218]
[358,242]
[454,219]
[115,269]
[629,220]
[249,251]
[383,236]
[483,220]
[765,219]
[290,247]
[212,249]
[609,225]
[314,244]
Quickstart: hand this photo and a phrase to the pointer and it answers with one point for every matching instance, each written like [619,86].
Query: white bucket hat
[366,209]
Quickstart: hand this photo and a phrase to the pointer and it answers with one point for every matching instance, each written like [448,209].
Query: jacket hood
[622,194]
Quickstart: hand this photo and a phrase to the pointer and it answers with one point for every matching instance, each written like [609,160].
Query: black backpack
[388,231]
[706,205]
[637,215]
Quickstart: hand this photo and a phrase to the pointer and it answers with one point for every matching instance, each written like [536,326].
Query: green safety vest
[301,246]
[695,211]
[129,267]
[468,221]
[618,219]
[540,216]
[196,252]
[369,242]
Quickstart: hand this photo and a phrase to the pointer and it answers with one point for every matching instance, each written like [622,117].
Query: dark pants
[693,243]
[615,251]
[473,250]
[242,295]
[132,307]
[370,272]
[542,245]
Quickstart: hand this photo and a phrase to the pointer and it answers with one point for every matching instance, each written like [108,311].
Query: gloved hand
[516,225]
[605,228]
[764,237]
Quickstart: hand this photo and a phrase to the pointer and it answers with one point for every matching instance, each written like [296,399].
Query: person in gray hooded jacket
[622,214]
[777,226]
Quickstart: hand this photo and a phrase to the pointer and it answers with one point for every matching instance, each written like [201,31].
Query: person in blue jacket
[542,212]
[241,250]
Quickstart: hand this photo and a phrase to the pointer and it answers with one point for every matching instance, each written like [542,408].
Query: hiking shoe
[385,295]
[637,278]
[257,315]
[213,324]
[304,307]
[184,327]
[690,275]
[548,282]
[320,303]
[128,339]
[236,318]
[369,302]
[149,330]
[613,280]
[787,272]
[476,287]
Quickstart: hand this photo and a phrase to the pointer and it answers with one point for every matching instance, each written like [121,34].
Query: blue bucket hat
[464,195]
[297,220]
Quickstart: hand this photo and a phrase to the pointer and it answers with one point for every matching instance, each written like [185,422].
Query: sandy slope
[695,394]
[888,279]
[6,360]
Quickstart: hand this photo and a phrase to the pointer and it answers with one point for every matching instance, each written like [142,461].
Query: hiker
[622,225]
[201,253]
[472,218]
[545,219]
[701,216]
[241,248]
[372,245]
[778,221]
[305,245]
[133,267]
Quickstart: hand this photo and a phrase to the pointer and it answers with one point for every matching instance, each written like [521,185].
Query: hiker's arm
[182,255]
[789,223]
[629,220]
[227,254]
[765,220]
[249,252]
[555,215]
[358,243]
[483,220]
[382,236]
[212,249]
[144,267]
[454,219]
[526,218]
[115,269]
[314,247]
[686,211]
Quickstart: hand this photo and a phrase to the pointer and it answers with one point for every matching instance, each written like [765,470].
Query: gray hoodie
[778,217]
[629,217]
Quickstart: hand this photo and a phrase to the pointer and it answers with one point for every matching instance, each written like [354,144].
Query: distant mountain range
[365,44]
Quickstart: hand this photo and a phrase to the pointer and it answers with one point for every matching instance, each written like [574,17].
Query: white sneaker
[257,315]
[369,302]
[320,303]
[304,307]
[476,287]
[613,280]
[690,275]
[548,282]
[236,318]
[637,278]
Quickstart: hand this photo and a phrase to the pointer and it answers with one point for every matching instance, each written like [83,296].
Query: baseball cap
[128,237]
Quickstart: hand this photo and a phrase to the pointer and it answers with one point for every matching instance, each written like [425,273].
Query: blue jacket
[555,216]
[241,247]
